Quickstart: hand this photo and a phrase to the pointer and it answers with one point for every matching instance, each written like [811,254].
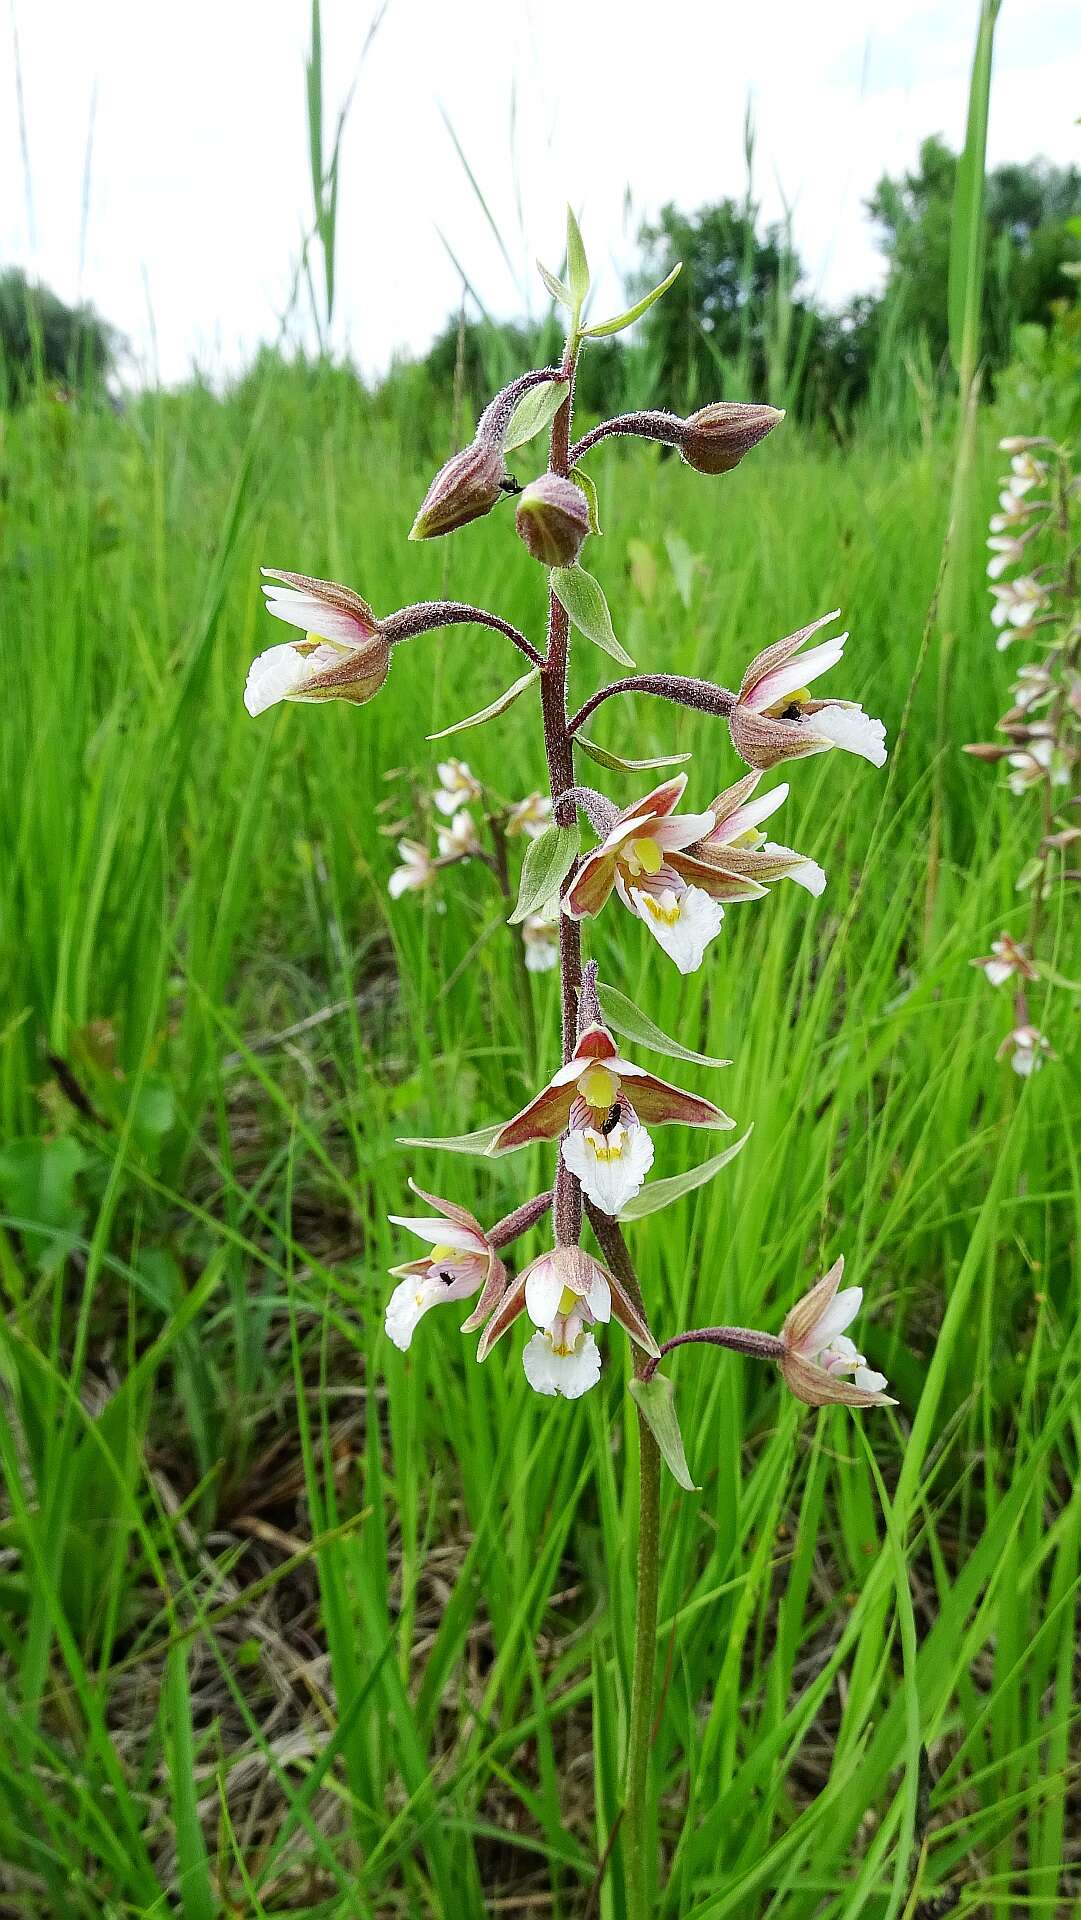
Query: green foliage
[344,1612]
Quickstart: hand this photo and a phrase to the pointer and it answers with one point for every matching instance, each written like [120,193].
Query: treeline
[740,321]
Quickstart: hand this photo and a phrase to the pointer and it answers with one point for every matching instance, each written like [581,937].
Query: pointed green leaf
[581,595]
[656,1402]
[478,1142]
[621,320]
[577,264]
[558,288]
[535,411]
[497,707]
[617,764]
[631,1023]
[661,1193]
[584,480]
[548,860]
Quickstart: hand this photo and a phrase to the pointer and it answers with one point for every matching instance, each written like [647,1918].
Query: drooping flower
[530,816]
[818,1354]
[644,857]
[566,1293]
[457,786]
[1033,687]
[1018,603]
[776,719]
[1026,471]
[343,655]
[540,937]
[735,846]
[1014,509]
[1005,959]
[1006,551]
[1027,1049]
[417,871]
[462,1262]
[458,841]
[604,1099]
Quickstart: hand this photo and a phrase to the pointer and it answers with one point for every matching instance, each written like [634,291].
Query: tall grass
[291,1623]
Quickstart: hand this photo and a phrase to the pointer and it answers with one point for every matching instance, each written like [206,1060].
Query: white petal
[852,729]
[805,872]
[681,830]
[750,815]
[842,1310]
[998,970]
[407,1305]
[543,1292]
[1025,1060]
[315,616]
[273,676]
[541,956]
[570,1374]
[868,1380]
[441,1233]
[682,924]
[998,565]
[797,672]
[446,802]
[609,1169]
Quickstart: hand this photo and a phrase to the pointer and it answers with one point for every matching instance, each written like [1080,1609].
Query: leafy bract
[548,860]
[662,1193]
[655,1400]
[631,1023]
[493,711]
[535,411]
[581,595]
[621,320]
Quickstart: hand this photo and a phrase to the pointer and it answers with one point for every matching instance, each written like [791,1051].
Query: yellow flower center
[442,1252]
[598,1088]
[608,1146]
[667,915]
[641,856]
[568,1300]
[795,699]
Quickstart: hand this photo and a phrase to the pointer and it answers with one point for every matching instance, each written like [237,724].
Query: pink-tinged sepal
[506,1313]
[591,886]
[775,656]
[632,1322]
[543,1119]
[660,1105]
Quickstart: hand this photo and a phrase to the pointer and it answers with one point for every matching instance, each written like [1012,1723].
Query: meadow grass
[292,1623]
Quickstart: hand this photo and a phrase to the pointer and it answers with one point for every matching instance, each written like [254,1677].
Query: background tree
[42,337]
[1029,207]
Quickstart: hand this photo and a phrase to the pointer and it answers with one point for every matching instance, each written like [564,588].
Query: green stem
[639,1740]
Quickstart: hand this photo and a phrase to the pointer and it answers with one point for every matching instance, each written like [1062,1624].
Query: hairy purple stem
[762,1346]
[650,424]
[677,687]
[515,1224]
[428,614]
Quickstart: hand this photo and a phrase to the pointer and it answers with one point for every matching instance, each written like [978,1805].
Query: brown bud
[715,439]
[465,489]
[553,520]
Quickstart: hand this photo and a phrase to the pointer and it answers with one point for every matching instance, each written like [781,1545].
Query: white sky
[199,192]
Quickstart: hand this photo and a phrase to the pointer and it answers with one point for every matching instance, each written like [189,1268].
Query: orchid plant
[669,869]
[1035,530]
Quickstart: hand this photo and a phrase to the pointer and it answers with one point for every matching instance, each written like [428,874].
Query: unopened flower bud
[715,439]
[553,520]
[464,490]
